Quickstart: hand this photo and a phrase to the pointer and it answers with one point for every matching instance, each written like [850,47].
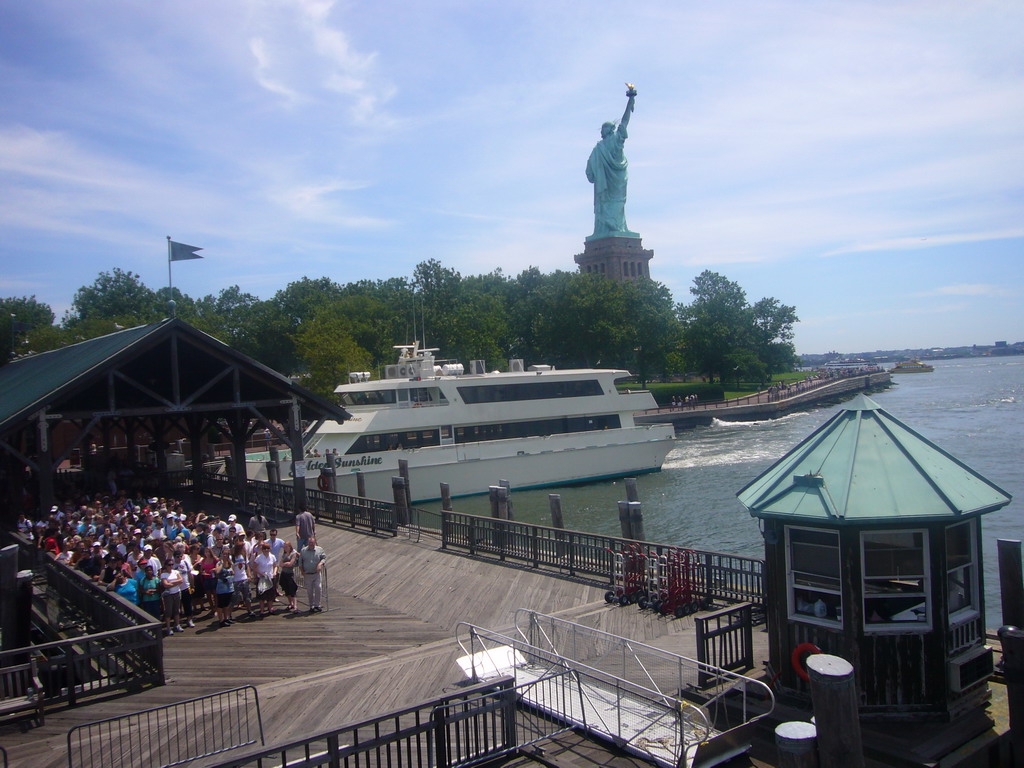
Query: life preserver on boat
[797,659]
[323,483]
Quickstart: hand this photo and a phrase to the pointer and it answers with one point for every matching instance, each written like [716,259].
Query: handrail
[188,730]
[720,576]
[412,730]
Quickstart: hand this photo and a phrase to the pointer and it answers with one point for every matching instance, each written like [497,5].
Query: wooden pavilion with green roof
[156,383]
[873,553]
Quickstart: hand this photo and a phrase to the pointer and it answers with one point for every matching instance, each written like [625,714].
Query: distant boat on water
[912,366]
[849,364]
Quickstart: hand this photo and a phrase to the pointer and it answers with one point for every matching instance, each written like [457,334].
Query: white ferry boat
[534,427]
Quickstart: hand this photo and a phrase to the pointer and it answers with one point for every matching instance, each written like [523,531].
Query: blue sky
[863,161]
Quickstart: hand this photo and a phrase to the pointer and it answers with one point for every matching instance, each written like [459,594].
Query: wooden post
[492,497]
[274,466]
[508,498]
[632,493]
[403,470]
[1013,668]
[9,615]
[834,696]
[1011,588]
[360,484]
[400,494]
[624,524]
[636,521]
[446,497]
[796,744]
[502,493]
[555,504]
[332,475]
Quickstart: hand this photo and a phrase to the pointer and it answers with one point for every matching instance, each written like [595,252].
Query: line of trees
[321,329]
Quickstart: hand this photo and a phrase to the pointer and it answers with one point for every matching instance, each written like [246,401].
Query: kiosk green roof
[864,465]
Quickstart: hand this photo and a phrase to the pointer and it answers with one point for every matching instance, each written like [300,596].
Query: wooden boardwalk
[386,641]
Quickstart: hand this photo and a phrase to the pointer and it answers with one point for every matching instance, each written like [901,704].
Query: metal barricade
[171,735]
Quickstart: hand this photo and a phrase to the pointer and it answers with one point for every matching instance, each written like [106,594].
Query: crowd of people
[178,565]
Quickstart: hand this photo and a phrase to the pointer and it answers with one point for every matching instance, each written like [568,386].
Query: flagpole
[170,284]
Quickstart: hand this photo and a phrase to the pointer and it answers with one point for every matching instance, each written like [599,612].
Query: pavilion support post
[298,454]
[45,463]
[239,437]
[195,444]
[1011,588]
[836,713]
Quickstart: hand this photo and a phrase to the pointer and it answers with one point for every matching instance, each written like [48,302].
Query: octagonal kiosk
[873,552]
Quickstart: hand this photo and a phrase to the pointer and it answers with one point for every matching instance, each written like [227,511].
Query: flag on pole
[182,252]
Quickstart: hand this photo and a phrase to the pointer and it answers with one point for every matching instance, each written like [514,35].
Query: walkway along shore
[763,405]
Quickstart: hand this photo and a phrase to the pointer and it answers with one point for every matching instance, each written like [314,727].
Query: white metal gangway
[664,707]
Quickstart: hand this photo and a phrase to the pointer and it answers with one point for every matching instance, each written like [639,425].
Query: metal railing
[725,639]
[339,509]
[647,700]
[472,726]
[120,646]
[170,735]
[718,576]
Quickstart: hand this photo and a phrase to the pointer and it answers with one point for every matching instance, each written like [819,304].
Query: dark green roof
[866,465]
[33,382]
[27,384]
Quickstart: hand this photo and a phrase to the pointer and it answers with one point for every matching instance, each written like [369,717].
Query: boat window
[814,575]
[535,428]
[895,580]
[393,441]
[368,397]
[536,390]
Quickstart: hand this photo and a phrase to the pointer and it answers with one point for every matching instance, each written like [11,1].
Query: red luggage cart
[678,594]
[628,575]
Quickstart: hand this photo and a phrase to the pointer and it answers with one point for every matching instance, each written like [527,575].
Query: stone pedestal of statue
[617,258]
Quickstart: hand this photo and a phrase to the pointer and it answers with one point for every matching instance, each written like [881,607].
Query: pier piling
[836,714]
[796,742]
[1011,586]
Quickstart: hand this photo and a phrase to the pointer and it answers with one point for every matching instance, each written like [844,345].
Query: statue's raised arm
[630,99]
[606,170]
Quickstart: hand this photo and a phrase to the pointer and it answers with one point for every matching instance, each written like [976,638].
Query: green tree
[326,345]
[772,335]
[24,323]
[654,329]
[714,324]
[116,297]
[723,334]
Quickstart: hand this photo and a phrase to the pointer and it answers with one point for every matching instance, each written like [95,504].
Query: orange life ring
[797,659]
[323,482]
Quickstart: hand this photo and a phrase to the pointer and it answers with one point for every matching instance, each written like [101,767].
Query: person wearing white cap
[235,528]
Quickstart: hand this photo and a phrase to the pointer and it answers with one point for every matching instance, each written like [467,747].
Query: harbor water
[972,408]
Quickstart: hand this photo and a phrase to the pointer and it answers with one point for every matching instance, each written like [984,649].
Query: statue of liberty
[607,171]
